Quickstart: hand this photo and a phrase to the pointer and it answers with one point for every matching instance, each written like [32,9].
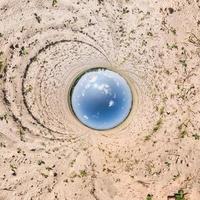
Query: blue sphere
[101,99]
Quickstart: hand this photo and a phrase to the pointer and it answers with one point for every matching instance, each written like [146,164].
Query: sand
[45,153]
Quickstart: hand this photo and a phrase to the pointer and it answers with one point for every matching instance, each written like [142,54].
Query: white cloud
[103,87]
[86,117]
[111,103]
[93,79]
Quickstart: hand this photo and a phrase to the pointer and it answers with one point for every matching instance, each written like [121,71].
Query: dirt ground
[46,154]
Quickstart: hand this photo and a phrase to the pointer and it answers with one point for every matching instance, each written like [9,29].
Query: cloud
[111,103]
[93,79]
[103,87]
[85,116]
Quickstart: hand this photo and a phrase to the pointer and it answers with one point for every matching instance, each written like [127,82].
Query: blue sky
[101,99]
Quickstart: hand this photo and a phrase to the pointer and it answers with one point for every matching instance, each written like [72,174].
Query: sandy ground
[45,153]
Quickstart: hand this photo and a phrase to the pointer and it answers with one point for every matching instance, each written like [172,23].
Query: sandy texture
[45,153]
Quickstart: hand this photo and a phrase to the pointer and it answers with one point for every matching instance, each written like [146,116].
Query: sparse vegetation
[147,138]
[173,30]
[180,195]
[38,18]
[28,89]
[196,136]
[21,134]
[183,133]
[183,62]
[149,197]
[1,62]
[157,125]
[72,162]
[173,46]
[150,34]
[19,150]
[167,163]
[183,129]
[1,65]
[54,2]
[13,168]
[23,51]
[83,173]
[3,117]
[2,145]
[162,109]
[40,162]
